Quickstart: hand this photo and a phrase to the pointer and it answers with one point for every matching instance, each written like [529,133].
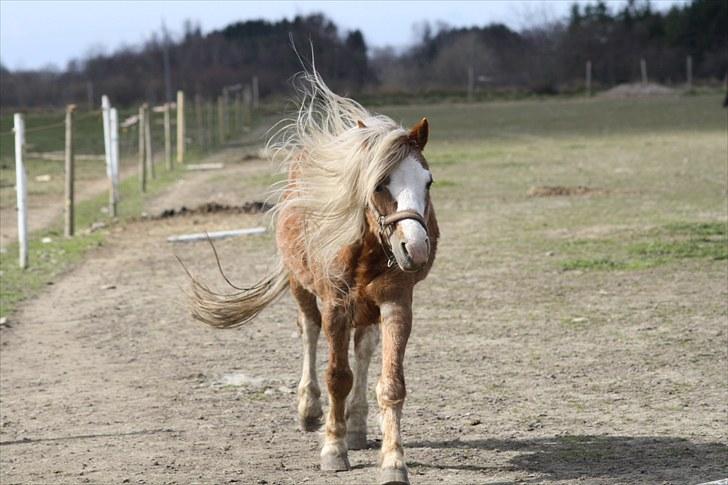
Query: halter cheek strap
[386,223]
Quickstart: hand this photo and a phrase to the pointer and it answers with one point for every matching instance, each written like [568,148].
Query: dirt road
[104,379]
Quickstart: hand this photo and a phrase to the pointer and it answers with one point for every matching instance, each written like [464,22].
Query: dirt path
[45,210]
[105,380]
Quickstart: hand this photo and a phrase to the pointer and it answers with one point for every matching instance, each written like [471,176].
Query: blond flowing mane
[336,153]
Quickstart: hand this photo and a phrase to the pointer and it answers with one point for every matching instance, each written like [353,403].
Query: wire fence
[150,139]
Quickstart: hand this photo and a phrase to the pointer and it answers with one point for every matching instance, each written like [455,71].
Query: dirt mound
[637,90]
[559,191]
[253,207]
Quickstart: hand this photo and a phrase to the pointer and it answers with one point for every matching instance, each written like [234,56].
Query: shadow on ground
[647,459]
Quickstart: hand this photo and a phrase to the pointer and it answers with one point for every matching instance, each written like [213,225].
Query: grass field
[659,167]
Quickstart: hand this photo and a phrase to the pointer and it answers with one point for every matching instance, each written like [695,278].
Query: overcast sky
[38,33]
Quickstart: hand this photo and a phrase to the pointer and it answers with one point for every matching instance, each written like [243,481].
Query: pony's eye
[429,184]
[379,188]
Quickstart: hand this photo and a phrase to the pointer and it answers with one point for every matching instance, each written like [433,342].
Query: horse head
[401,204]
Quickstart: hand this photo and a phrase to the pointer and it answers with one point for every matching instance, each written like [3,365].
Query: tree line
[547,58]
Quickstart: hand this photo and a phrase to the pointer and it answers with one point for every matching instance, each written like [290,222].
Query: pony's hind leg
[337,326]
[309,393]
[365,341]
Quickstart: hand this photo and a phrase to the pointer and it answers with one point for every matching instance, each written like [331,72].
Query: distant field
[656,164]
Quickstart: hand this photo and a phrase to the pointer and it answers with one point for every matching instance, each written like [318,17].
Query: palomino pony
[356,230]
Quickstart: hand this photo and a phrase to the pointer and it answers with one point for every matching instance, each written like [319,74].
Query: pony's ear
[360,124]
[419,132]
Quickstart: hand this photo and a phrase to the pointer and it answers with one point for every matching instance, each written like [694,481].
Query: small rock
[46,240]
[579,320]
[108,287]
[97,226]
[475,422]
[550,253]
[43,178]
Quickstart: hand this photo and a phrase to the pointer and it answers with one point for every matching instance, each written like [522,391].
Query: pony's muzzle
[411,253]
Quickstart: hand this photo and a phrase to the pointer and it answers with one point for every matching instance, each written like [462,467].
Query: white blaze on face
[408,186]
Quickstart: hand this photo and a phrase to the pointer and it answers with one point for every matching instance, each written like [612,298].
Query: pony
[355,231]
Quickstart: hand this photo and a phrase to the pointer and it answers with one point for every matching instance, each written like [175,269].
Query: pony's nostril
[404,249]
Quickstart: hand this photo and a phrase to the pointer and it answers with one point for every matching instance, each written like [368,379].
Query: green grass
[663,245]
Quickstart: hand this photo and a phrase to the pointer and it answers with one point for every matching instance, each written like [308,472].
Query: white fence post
[106,115]
[114,126]
[180,127]
[21,189]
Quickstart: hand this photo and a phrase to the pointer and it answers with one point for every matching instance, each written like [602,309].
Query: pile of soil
[252,207]
[637,90]
[559,191]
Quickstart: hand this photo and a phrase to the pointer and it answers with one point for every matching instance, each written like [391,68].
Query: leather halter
[386,224]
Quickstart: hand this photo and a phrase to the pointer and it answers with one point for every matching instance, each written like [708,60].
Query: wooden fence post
[471,83]
[588,78]
[180,127]
[643,70]
[198,122]
[248,105]
[210,108]
[689,72]
[238,113]
[142,168]
[148,140]
[167,137]
[221,119]
[114,128]
[256,93]
[69,219]
[21,189]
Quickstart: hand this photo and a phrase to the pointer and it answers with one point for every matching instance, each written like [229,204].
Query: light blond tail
[233,310]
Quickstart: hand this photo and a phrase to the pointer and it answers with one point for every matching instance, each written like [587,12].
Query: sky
[36,34]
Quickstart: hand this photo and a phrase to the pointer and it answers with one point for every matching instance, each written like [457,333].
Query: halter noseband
[386,223]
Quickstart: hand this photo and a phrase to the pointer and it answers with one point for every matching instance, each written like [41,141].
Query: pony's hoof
[356,440]
[335,463]
[310,424]
[393,476]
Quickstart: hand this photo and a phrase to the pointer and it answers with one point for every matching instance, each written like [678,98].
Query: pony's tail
[233,310]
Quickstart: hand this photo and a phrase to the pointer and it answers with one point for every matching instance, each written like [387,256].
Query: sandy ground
[104,379]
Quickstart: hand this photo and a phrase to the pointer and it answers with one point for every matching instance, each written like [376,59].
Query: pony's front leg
[337,326]
[396,323]
[365,341]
